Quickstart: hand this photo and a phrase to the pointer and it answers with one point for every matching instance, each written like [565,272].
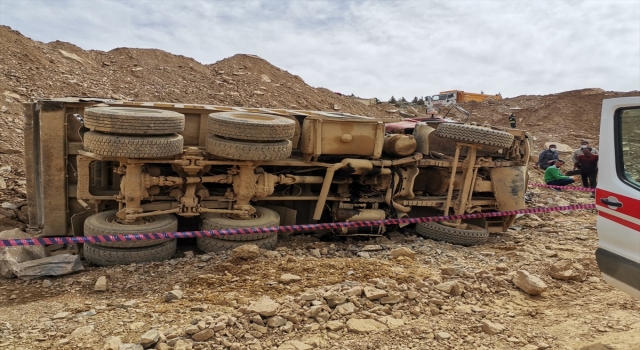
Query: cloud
[371,48]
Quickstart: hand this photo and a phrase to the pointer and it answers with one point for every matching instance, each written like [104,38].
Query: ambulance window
[629,144]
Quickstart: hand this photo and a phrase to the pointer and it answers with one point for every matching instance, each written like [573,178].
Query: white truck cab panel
[618,194]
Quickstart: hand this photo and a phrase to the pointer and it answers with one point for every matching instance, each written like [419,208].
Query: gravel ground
[395,292]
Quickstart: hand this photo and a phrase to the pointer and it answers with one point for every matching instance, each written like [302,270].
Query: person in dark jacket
[547,157]
[588,165]
[583,144]
[512,121]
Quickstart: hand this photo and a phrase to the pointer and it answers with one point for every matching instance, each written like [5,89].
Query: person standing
[547,157]
[512,121]
[553,176]
[588,165]
[583,144]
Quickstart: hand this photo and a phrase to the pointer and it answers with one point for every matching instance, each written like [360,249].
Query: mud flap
[509,187]
[77,227]
[77,222]
[287,216]
[421,133]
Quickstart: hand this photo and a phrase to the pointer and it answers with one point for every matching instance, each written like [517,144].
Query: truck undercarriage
[108,167]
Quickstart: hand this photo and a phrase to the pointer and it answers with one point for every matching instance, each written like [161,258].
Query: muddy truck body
[107,167]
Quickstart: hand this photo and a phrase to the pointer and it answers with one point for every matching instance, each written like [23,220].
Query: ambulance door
[618,194]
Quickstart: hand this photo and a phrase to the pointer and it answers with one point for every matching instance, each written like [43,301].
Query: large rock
[561,147]
[565,270]
[112,343]
[289,278]
[373,293]
[203,335]
[276,321]
[183,344]
[529,283]
[346,308]
[82,332]
[130,346]
[334,298]
[450,287]
[335,325]
[52,266]
[102,284]
[149,338]
[172,295]
[246,252]
[392,322]
[391,299]
[451,271]
[491,328]
[443,336]
[403,251]
[265,306]
[12,256]
[294,345]
[359,325]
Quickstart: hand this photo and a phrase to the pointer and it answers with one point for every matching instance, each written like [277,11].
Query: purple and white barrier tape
[291,228]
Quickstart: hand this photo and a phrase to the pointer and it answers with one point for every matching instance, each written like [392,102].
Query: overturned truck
[103,167]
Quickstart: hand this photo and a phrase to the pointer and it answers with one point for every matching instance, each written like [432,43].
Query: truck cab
[618,194]
[441,100]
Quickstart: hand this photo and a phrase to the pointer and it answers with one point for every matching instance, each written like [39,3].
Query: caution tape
[571,188]
[290,228]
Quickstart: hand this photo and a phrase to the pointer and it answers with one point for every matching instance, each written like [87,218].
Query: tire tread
[128,120]
[452,235]
[133,146]
[226,125]
[107,256]
[475,134]
[242,150]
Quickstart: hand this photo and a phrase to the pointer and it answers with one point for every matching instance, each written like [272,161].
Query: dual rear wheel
[250,136]
[118,252]
[133,132]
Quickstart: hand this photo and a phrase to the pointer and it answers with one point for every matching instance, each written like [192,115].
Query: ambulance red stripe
[620,221]
[630,206]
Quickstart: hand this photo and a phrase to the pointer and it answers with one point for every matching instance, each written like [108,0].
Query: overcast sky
[371,48]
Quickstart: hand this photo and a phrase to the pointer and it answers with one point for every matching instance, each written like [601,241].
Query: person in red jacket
[588,165]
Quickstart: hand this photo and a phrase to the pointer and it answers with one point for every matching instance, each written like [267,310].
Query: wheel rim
[145,220]
[255,216]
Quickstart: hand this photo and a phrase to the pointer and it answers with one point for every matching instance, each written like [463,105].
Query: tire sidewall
[97,224]
[217,221]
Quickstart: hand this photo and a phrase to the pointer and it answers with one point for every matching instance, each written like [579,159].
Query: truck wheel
[216,245]
[127,120]
[264,218]
[243,150]
[251,126]
[106,223]
[475,134]
[105,256]
[133,146]
[471,236]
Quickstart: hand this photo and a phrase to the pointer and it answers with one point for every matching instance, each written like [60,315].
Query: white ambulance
[618,194]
